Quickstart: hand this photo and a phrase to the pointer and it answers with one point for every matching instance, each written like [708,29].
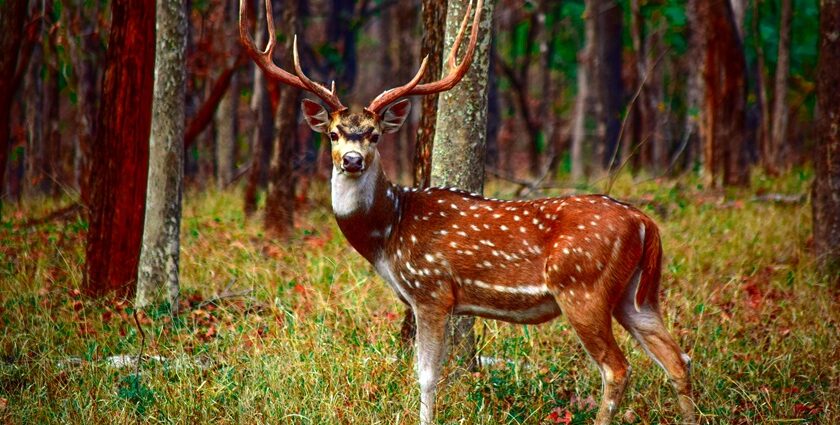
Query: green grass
[316,342]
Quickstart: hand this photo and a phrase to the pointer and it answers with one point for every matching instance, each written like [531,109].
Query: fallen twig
[139,358]
[225,294]
[55,215]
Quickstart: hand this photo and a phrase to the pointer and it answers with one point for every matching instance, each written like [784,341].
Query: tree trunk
[609,86]
[780,116]
[549,29]
[598,106]
[826,191]
[263,128]
[121,151]
[32,158]
[226,114]
[85,55]
[161,236]
[406,17]
[459,145]
[585,102]
[724,103]
[12,21]
[226,134]
[764,137]
[692,65]
[50,161]
[434,15]
[739,8]
[280,197]
[651,143]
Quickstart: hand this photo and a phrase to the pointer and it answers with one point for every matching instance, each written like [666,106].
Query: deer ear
[394,117]
[316,116]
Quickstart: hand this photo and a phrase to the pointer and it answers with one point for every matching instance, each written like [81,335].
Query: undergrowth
[304,332]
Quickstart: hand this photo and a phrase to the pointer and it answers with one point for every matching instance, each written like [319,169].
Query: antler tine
[325,94]
[450,61]
[263,58]
[456,73]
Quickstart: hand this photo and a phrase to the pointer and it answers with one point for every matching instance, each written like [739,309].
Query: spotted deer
[448,252]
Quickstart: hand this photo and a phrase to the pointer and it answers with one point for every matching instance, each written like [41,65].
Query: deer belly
[526,310]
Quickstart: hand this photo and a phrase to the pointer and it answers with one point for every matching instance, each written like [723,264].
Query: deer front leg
[430,346]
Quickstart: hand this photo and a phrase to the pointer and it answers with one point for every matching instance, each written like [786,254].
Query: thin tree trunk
[404,25]
[121,151]
[459,146]
[159,256]
[724,109]
[34,88]
[826,189]
[780,115]
[280,197]
[585,102]
[434,15]
[739,8]
[50,161]
[609,85]
[226,114]
[764,138]
[640,111]
[545,108]
[85,55]
[12,22]
[262,137]
[655,98]
[226,134]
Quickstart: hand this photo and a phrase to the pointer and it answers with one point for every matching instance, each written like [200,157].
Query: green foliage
[317,339]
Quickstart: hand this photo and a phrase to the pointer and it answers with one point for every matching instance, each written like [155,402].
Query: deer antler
[456,72]
[263,59]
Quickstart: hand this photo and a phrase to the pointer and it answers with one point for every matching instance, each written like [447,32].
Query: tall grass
[305,333]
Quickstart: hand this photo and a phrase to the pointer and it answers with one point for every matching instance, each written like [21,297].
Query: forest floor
[304,332]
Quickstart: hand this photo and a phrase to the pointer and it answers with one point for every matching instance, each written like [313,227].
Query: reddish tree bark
[15,46]
[121,151]
[434,16]
[724,109]
[826,191]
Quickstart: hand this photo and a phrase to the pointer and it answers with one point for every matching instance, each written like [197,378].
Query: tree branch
[202,118]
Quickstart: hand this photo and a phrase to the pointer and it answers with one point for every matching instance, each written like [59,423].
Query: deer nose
[352,162]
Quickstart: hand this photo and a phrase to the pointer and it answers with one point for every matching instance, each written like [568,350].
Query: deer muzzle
[353,162]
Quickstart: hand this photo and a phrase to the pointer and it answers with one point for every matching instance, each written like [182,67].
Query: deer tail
[647,292]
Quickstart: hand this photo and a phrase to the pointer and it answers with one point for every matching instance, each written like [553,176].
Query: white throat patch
[351,195]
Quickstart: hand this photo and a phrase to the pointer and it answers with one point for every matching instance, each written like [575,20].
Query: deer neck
[366,208]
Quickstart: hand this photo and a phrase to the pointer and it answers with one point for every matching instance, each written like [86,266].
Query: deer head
[354,134]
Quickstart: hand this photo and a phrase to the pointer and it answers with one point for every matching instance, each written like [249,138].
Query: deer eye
[374,138]
[333,136]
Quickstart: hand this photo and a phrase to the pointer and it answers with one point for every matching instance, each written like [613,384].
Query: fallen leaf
[560,416]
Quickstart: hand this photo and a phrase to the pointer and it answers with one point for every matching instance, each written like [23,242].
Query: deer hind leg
[430,347]
[647,327]
[593,325]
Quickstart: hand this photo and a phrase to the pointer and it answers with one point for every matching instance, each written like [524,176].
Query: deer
[448,252]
